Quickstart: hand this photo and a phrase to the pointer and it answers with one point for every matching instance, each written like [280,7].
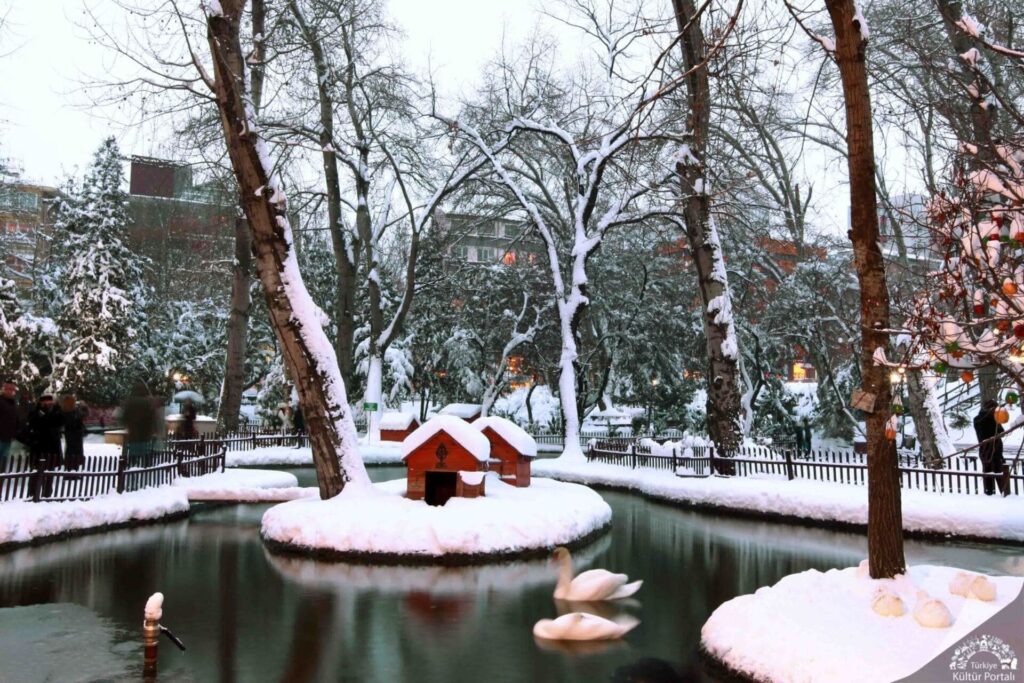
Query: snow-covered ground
[383,453]
[22,522]
[250,486]
[816,626]
[991,517]
[381,521]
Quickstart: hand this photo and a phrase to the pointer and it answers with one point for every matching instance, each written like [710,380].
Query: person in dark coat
[10,422]
[44,427]
[186,429]
[299,421]
[73,415]
[990,452]
[139,416]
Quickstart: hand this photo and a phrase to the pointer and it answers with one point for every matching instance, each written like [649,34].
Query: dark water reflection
[247,615]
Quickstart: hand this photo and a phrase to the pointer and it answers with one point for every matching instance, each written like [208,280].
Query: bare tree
[307,351]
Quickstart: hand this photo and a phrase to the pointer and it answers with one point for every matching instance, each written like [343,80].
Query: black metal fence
[33,479]
[964,474]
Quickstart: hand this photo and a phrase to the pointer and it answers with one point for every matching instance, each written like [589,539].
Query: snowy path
[988,517]
[285,456]
[245,486]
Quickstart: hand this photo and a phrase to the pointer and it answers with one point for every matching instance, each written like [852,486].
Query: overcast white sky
[45,55]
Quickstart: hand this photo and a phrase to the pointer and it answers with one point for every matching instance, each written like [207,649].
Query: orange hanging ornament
[1001,415]
[967,376]
[1009,287]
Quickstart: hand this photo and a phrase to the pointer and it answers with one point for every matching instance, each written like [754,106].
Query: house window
[486,230]
[799,374]
[511,230]
[486,255]
[460,252]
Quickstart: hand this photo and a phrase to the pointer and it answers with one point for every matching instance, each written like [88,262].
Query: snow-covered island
[842,626]
[381,525]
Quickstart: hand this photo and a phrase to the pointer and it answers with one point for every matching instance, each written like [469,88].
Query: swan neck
[564,571]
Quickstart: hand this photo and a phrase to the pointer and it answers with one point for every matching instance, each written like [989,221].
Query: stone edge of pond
[421,560]
[98,529]
[758,515]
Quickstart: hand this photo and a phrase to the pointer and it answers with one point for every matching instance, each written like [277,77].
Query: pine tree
[102,281]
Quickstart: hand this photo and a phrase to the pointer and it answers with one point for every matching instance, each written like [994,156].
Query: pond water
[74,607]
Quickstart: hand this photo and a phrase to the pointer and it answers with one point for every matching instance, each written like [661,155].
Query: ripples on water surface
[246,615]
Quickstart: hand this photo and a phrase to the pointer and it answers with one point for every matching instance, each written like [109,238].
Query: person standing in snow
[991,449]
[186,429]
[43,430]
[73,417]
[10,422]
[300,422]
[140,421]
[807,437]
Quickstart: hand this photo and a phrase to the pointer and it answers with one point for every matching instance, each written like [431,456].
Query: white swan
[583,626]
[593,584]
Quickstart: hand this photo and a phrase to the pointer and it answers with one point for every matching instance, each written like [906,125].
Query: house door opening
[440,486]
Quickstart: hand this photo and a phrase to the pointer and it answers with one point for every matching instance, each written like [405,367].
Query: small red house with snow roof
[445,457]
[465,411]
[512,449]
[397,426]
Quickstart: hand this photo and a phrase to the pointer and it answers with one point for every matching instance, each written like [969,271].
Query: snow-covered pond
[246,615]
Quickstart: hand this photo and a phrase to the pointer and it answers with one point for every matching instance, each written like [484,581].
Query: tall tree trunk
[238,330]
[238,319]
[979,132]
[924,407]
[724,388]
[346,253]
[885,518]
[307,352]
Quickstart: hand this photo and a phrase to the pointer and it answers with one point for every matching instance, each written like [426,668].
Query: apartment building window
[511,230]
[486,255]
[486,229]
[460,252]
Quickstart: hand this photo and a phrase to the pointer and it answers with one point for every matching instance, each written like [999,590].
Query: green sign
[370,407]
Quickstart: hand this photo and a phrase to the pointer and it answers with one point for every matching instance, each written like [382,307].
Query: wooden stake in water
[151,633]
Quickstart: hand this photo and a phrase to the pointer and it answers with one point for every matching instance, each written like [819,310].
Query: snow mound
[270,456]
[245,485]
[457,428]
[22,522]
[380,523]
[764,635]
[514,435]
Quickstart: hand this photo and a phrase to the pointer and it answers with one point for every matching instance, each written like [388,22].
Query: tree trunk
[928,422]
[885,520]
[723,382]
[238,319]
[345,253]
[306,349]
[238,330]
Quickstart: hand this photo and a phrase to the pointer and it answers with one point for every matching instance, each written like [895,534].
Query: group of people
[42,426]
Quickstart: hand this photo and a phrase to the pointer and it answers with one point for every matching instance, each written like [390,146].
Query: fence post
[223,458]
[177,461]
[632,453]
[675,467]
[711,460]
[789,463]
[122,461]
[37,490]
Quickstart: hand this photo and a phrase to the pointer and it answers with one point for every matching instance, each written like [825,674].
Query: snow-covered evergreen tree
[102,281]
[24,339]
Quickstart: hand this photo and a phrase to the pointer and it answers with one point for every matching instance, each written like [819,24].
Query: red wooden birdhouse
[512,449]
[446,457]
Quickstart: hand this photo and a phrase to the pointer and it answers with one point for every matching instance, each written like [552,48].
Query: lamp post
[650,406]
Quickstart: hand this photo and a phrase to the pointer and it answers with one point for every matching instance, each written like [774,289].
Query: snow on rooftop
[396,421]
[763,635]
[513,434]
[457,428]
[463,410]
